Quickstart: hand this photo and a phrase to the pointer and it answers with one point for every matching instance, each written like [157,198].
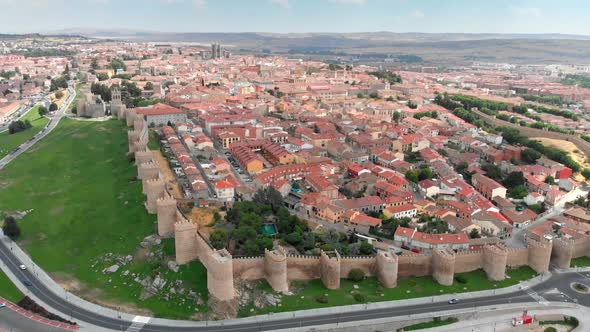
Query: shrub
[356,275]
[322,299]
[550,329]
[359,297]
[461,279]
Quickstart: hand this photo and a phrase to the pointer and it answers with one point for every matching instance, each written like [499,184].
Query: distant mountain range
[429,48]
[232,37]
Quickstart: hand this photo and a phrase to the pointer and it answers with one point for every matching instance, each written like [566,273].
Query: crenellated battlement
[167,214]
[539,254]
[443,266]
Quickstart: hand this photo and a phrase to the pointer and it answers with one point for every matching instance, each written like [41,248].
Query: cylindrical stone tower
[387,269]
[539,254]
[330,269]
[275,268]
[443,266]
[220,276]
[494,262]
[185,242]
[166,208]
[155,189]
[562,252]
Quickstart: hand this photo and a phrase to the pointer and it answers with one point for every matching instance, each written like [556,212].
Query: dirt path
[168,174]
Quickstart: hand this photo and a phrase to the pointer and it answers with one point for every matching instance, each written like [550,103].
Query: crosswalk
[535,296]
[138,323]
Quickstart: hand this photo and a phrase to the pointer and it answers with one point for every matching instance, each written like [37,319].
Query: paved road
[551,288]
[15,322]
[53,122]
[518,234]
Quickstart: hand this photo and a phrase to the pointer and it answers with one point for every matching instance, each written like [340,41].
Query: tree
[10,228]
[366,248]
[549,179]
[294,238]
[474,234]
[517,192]
[269,196]
[42,110]
[94,63]
[412,176]
[514,179]
[102,76]
[356,275]
[586,173]
[18,126]
[117,64]
[148,86]
[493,172]
[396,116]
[424,174]
[530,156]
[66,70]
[216,217]
[219,238]
[52,107]
[412,105]
[59,95]
[374,95]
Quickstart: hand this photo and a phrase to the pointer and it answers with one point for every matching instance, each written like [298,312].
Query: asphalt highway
[57,302]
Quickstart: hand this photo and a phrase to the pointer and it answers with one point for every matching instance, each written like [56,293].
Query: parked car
[2,305]
[453,301]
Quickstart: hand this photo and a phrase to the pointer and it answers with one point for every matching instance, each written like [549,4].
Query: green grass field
[583,261]
[85,204]
[431,324]
[10,142]
[372,291]
[8,290]
[153,143]
[79,87]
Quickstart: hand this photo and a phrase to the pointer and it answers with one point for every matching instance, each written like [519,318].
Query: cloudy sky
[494,16]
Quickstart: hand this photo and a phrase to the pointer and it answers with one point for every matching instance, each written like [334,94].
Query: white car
[22,267]
[2,305]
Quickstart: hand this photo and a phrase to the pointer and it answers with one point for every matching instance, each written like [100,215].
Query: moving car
[22,267]
[453,301]
[27,283]
[2,305]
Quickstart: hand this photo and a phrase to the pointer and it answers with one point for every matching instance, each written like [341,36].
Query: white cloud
[282,3]
[527,11]
[200,3]
[418,14]
[349,2]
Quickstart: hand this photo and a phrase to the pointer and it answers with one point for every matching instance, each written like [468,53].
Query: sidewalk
[499,321]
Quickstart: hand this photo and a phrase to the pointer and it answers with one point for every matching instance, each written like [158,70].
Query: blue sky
[494,16]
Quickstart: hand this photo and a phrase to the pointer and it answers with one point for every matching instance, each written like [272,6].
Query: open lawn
[8,290]
[153,143]
[370,290]
[86,203]
[10,142]
[431,324]
[583,261]
[79,87]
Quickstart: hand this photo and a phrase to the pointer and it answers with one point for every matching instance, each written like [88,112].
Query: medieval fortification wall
[279,268]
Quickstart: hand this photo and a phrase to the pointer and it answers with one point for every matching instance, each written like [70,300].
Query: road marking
[535,296]
[138,323]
